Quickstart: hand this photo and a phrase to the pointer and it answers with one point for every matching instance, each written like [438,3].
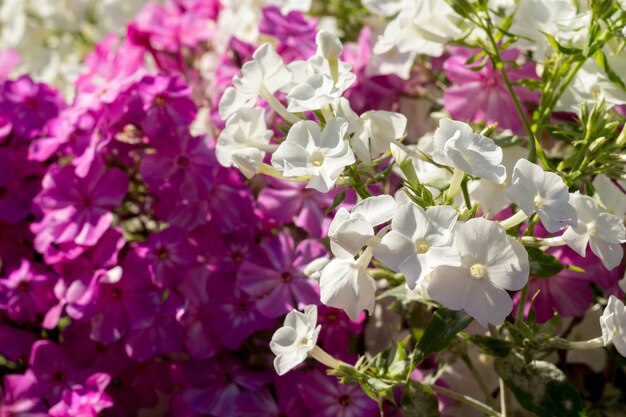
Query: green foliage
[543,265]
[418,400]
[540,387]
[441,330]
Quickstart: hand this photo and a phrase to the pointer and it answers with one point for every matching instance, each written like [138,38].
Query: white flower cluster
[315,151]
[463,263]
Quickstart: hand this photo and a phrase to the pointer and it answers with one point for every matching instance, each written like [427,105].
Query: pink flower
[294,32]
[481,95]
[86,400]
[27,292]
[275,274]
[130,303]
[326,397]
[78,209]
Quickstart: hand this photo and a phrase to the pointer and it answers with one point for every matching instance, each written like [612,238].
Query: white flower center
[592,230]
[478,271]
[538,201]
[304,341]
[421,246]
[317,159]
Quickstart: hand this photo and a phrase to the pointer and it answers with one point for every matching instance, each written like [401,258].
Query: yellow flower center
[478,271]
[422,246]
[538,201]
[317,159]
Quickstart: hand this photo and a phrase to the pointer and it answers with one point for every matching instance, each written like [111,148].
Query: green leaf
[613,76]
[540,387]
[441,330]
[336,202]
[543,265]
[419,400]
[563,49]
[491,345]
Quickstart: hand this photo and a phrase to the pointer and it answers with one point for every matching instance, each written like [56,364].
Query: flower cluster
[373,175]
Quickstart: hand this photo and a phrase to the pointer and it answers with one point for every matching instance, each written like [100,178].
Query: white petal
[450,286]
[349,238]
[286,362]
[576,241]
[376,210]
[488,304]
[609,253]
[394,249]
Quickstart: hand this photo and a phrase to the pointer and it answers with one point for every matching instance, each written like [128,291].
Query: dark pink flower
[29,105]
[130,303]
[275,274]
[326,397]
[216,385]
[20,181]
[78,209]
[27,292]
[294,32]
[86,400]
[481,95]
[169,254]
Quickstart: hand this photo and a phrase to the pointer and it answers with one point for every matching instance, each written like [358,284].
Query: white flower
[535,190]
[419,241]
[423,26]
[535,18]
[245,129]
[371,133]
[492,263]
[322,79]
[321,154]
[591,84]
[613,324]
[610,195]
[489,194]
[249,161]
[328,45]
[114,14]
[265,74]
[317,91]
[603,231]
[295,339]
[345,284]
[458,146]
[349,232]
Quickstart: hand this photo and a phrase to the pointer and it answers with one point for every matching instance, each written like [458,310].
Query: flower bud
[328,45]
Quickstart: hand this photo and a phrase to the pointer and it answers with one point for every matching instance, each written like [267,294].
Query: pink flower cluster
[137,273]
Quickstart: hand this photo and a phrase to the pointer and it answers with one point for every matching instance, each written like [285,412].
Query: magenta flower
[235,316]
[294,32]
[78,209]
[284,202]
[168,254]
[164,335]
[29,105]
[166,101]
[17,400]
[187,164]
[569,292]
[15,344]
[481,95]
[325,397]
[275,274]
[260,403]
[216,385]
[128,303]
[55,368]
[337,329]
[86,400]
[20,181]
[370,91]
[195,315]
[27,292]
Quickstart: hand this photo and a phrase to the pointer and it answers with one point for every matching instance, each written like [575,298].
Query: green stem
[591,344]
[466,400]
[519,316]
